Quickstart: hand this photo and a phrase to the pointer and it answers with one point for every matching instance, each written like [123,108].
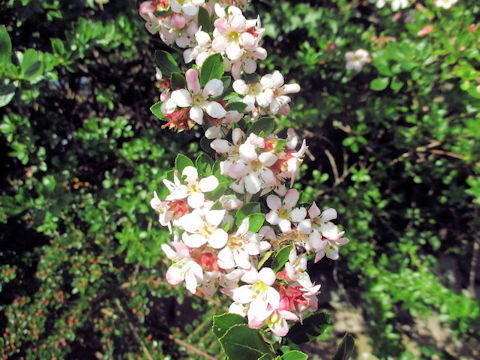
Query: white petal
[267,276]
[225,258]
[267,158]
[196,200]
[208,184]
[285,225]
[234,52]
[215,110]
[215,217]
[298,214]
[220,146]
[194,240]
[243,294]
[253,184]
[240,87]
[247,152]
[291,198]
[191,222]
[218,239]
[196,114]
[329,214]
[213,88]
[182,98]
[272,217]
[191,175]
[273,297]
[274,202]
[314,211]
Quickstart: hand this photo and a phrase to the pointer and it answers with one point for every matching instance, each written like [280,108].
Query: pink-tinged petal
[202,38]
[196,114]
[233,51]
[194,240]
[274,202]
[260,53]
[239,23]
[243,228]
[273,297]
[190,9]
[221,146]
[219,44]
[284,109]
[285,225]
[280,328]
[298,214]
[255,323]
[222,25]
[178,20]
[305,227]
[192,81]
[319,256]
[225,259]
[169,251]
[274,106]
[349,56]
[218,239]
[191,282]
[332,253]
[191,175]
[250,66]
[329,214]
[249,100]
[196,200]
[291,198]
[175,6]
[253,183]
[196,269]
[208,184]
[168,106]
[215,110]
[213,88]
[243,294]
[267,276]
[237,135]
[191,222]
[247,152]
[259,309]
[315,240]
[287,315]
[240,87]
[330,231]
[181,249]
[182,98]
[342,241]
[250,276]
[267,158]
[247,40]
[268,177]
[243,260]
[213,132]
[314,211]
[272,217]
[174,275]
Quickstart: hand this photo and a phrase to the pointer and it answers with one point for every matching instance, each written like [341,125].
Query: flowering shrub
[229,236]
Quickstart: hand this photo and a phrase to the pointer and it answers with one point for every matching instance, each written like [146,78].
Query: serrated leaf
[156,109]
[212,68]
[281,258]
[5,46]
[379,84]
[346,347]
[241,342]
[265,124]
[204,164]
[312,327]
[204,20]
[181,162]
[223,322]
[294,355]
[245,210]
[166,63]
[177,81]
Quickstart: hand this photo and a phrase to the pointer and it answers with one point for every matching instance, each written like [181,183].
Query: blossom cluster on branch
[236,221]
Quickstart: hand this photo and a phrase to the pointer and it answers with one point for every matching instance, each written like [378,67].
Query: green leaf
[5,46]
[265,357]
[58,46]
[205,145]
[396,84]
[156,109]
[241,342]
[312,327]
[245,210]
[31,66]
[236,106]
[255,222]
[204,20]
[181,162]
[265,257]
[204,164]
[379,84]
[7,92]
[294,355]
[221,323]
[346,347]
[177,81]
[226,80]
[212,68]
[281,258]
[265,124]
[166,63]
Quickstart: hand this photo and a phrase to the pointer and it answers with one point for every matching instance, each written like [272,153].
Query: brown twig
[189,347]
[333,164]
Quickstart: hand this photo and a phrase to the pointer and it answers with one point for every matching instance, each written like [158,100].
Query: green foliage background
[393,148]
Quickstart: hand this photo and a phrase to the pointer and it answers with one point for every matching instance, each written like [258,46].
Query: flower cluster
[256,252]
[356,60]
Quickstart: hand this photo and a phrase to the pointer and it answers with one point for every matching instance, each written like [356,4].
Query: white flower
[357,59]
[202,229]
[446,4]
[284,215]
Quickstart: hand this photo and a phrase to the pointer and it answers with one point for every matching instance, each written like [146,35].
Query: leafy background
[394,148]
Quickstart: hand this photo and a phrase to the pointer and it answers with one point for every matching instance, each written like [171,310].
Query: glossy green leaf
[294,355]
[212,68]
[264,258]
[240,342]
[204,20]
[32,65]
[236,106]
[7,92]
[181,162]
[281,258]
[312,327]
[177,81]
[265,124]
[156,109]
[245,210]
[5,46]
[346,347]
[166,63]
[223,322]
[255,222]
[379,84]
[204,165]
